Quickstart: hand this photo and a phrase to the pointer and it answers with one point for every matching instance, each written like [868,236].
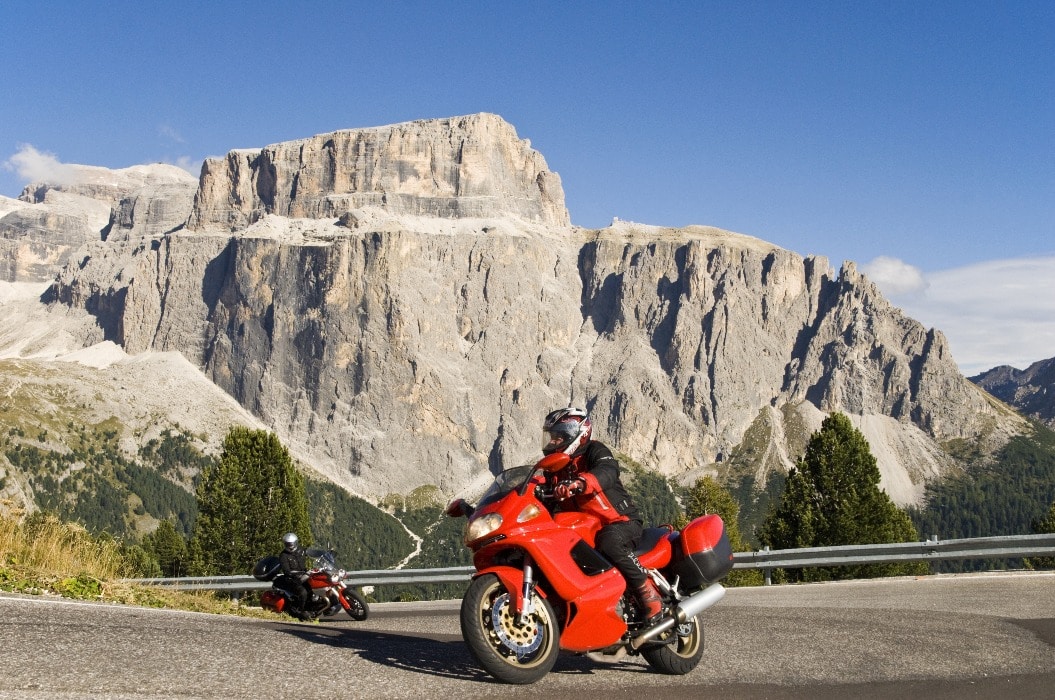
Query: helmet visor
[559,436]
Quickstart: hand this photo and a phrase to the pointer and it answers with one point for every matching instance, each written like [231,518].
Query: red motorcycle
[540,586]
[329,594]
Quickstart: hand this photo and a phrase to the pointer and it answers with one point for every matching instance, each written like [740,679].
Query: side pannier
[702,553]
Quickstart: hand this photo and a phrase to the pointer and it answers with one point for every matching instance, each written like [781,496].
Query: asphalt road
[988,636]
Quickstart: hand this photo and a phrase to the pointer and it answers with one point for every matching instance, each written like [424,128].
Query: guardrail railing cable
[1009,547]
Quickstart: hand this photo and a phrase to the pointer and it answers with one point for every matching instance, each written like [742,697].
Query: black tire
[357,608]
[511,652]
[680,655]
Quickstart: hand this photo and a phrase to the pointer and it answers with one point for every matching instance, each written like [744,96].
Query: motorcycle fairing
[592,617]
[590,600]
[584,525]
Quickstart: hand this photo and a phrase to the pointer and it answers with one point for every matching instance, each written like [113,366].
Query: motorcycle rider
[294,565]
[591,484]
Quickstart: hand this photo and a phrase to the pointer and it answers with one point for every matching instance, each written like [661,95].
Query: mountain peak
[458,167]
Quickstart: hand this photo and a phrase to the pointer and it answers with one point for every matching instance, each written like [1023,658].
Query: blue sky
[914,138]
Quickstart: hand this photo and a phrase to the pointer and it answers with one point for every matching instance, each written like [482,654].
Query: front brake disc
[521,639]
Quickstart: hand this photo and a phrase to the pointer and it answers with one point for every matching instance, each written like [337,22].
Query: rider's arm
[602,469]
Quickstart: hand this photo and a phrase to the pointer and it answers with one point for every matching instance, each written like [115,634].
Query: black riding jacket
[293,562]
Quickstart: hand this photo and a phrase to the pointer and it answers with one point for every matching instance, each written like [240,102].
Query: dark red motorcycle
[540,586]
[329,594]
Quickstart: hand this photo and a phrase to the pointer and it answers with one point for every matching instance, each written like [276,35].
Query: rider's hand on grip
[569,488]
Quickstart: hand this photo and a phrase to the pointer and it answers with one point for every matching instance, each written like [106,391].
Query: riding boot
[651,601]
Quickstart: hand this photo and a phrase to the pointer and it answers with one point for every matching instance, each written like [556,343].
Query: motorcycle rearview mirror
[459,508]
[553,462]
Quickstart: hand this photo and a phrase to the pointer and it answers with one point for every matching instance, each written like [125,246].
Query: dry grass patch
[40,555]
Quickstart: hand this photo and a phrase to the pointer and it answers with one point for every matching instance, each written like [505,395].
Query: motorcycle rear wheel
[510,651]
[357,608]
[680,655]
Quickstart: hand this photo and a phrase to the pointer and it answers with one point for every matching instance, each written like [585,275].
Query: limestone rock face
[473,166]
[37,239]
[396,359]
[41,231]
[402,305]
[151,211]
[104,184]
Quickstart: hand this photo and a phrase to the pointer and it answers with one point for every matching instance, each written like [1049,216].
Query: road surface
[981,636]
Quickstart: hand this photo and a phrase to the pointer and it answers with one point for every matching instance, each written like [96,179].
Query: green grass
[41,555]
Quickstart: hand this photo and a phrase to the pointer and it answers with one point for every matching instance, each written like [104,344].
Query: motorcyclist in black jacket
[294,565]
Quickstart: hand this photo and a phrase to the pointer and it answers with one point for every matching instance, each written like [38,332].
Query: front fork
[527,599]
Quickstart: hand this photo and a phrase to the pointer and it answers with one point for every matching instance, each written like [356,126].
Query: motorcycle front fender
[512,580]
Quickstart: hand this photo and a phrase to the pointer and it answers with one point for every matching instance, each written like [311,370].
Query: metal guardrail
[375,577]
[1009,547]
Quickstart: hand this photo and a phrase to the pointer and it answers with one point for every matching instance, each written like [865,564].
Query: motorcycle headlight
[482,526]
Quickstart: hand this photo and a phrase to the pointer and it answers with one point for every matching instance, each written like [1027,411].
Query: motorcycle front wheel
[357,608]
[681,653]
[511,650]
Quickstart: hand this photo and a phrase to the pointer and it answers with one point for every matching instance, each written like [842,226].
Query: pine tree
[707,496]
[246,502]
[169,548]
[832,497]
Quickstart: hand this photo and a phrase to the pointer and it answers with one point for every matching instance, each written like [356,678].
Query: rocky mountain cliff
[41,230]
[1031,391]
[403,304]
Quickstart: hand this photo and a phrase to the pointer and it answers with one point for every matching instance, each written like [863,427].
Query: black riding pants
[617,542]
[300,593]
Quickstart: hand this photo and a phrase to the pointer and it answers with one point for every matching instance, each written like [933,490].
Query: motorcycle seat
[653,549]
[284,583]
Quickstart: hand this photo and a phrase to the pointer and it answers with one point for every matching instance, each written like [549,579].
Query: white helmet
[290,541]
[565,430]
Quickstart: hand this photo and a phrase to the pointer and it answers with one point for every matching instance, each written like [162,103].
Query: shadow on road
[445,656]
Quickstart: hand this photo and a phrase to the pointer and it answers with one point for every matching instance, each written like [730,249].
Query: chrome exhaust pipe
[685,611]
[697,603]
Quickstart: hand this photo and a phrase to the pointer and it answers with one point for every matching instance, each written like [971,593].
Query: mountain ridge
[1030,391]
[430,301]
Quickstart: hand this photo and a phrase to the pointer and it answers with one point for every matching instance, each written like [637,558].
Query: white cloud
[34,166]
[895,276]
[1000,312]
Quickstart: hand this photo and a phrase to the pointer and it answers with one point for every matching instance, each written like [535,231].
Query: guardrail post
[767,572]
